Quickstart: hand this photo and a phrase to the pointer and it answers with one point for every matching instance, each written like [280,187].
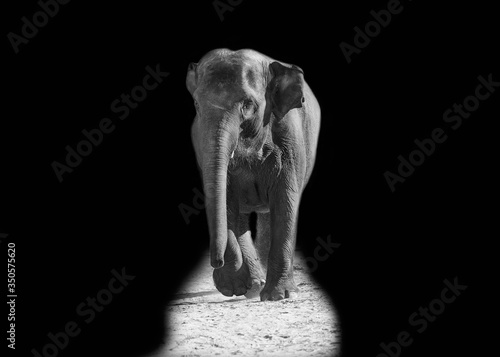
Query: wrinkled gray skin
[255,136]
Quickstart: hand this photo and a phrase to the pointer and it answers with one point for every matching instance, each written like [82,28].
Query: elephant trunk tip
[217,262]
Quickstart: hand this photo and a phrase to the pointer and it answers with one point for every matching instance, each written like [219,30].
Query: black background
[119,208]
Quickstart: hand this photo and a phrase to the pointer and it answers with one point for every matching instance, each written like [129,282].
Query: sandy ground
[203,322]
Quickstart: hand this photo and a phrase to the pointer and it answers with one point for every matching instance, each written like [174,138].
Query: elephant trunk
[220,145]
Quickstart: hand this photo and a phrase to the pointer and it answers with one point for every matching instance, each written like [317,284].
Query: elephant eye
[196,105]
[248,108]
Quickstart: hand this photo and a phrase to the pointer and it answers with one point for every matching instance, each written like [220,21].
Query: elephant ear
[285,88]
[192,77]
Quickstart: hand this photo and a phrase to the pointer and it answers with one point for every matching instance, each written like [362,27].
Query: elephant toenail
[226,292]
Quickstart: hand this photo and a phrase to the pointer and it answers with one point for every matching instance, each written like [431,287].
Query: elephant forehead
[232,78]
[223,77]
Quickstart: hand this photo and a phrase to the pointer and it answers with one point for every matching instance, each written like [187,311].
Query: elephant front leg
[241,273]
[283,222]
[228,279]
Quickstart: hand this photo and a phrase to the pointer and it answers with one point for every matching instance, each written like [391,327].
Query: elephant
[255,136]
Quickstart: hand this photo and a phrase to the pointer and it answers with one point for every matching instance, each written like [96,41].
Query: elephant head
[239,97]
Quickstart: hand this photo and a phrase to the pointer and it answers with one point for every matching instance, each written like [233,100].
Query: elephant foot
[254,291]
[237,279]
[274,292]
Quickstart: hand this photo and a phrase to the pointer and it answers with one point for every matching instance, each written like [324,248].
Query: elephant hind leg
[250,258]
[263,238]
